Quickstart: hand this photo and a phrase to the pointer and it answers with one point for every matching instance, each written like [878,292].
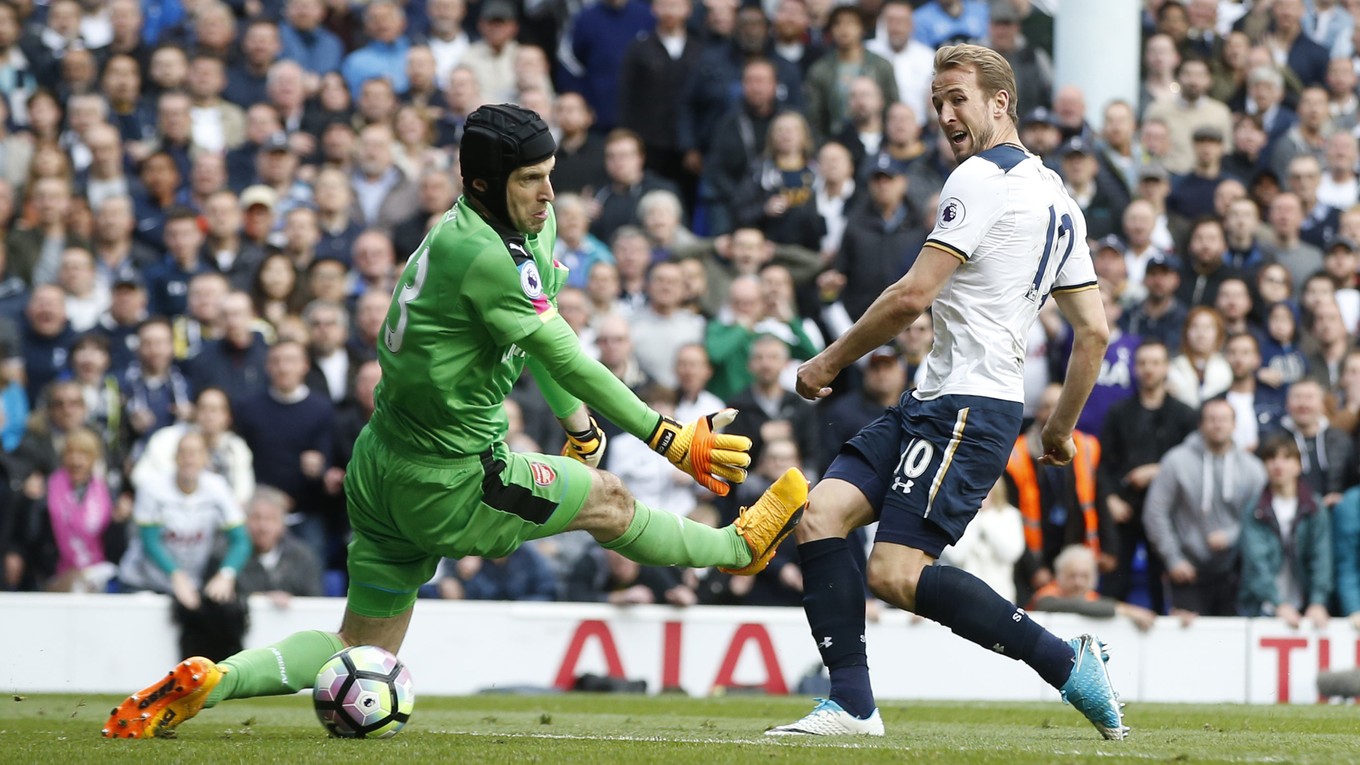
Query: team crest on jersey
[543,475]
[530,281]
[951,213]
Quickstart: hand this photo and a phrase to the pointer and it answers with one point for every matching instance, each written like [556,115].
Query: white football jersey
[1020,237]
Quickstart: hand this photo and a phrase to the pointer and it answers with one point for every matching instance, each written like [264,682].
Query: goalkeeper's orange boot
[154,711]
[770,520]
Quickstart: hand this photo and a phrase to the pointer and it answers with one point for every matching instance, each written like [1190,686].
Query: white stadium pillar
[1097,46]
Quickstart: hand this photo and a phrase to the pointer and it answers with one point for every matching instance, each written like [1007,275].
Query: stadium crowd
[204,207]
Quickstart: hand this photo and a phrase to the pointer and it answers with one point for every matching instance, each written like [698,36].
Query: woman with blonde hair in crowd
[83,529]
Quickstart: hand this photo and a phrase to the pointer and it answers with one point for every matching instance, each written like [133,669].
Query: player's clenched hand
[1059,449]
[587,445]
[716,460]
[813,379]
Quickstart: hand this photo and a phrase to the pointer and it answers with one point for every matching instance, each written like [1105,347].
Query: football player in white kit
[1007,238]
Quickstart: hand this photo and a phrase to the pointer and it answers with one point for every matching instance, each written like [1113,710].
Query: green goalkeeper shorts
[409,511]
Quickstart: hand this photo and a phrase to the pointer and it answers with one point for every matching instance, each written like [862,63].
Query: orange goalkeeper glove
[586,446]
[714,459]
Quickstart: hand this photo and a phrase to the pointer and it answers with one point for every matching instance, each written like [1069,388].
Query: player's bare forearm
[894,310]
[1090,337]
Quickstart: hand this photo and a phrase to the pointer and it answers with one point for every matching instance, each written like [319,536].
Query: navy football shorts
[926,466]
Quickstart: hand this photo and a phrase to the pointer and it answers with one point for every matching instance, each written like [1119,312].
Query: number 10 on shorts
[913,462]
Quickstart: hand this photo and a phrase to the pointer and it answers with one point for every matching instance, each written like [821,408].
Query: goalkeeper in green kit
[431,476]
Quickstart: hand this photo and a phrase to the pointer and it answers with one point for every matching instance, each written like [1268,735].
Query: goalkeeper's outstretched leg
[655,537]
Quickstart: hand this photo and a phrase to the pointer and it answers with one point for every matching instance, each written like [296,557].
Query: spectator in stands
[1081,171]
[370,312]
[1233,303]
[992,544]
[616,202]
[304,38]
[1208,265]
[880,240]
[437,192]
[374,263]
[35,253]
[223,248]
[1346,546]
[944,21]
[1326,465]
[777,195]
[1320,221]
[1287,40]
[279,566]
[350,418]
[711,89]
[275,291]
[117,254]
[692,373]
[332,365]
[1340,186]
[913,61]
[523,575]
[1258,407]
[599,41]
[604,576]
[659,61]
[81,528]
[863,130]
[106,176]
[1287,543]
[202,322]
[580,151]
[154,389]
[335,215]
[1194,512]
[1200,372]
[235,362]
[86,299]
[1137,433]
[769,410]
[576,247]
[179,516]
[218,124]
[1073,590]
[1190,110]
[632,256]
[45,338]
[228,455]
[385,53]
[118,325]
[1329,342]
[168,283]
[1116,381]
[1287,219]
[613,334]
[384,194]
[1058,503]
[660,213]
[288,429]
[89,367]
[663,325]
[730,336]
[737,141]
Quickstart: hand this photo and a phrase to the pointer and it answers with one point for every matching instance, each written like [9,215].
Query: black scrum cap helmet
[498,139]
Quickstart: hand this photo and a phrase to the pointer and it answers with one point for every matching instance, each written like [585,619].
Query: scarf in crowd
[78,522]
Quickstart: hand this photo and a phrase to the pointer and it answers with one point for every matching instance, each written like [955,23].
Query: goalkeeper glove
[714,459]
[587,445]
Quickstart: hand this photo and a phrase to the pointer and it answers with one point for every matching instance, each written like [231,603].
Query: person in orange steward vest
[1058,504]
[1073,591]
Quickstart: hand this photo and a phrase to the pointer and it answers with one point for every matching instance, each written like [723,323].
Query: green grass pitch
[637,730]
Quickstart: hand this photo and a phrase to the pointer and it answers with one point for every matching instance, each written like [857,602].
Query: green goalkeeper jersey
[447,349]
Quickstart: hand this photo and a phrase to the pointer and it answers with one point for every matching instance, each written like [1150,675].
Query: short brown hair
[1279,444]
[994,74]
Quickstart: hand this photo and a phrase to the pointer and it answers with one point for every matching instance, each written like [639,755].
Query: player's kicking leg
[284,668]
[659,538]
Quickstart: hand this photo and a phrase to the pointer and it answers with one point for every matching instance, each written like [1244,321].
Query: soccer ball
[363,692]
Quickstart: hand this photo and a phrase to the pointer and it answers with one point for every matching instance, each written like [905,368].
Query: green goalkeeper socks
[288,666]
[659,538]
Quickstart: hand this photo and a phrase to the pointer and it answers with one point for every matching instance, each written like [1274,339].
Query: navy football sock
[965,604]
[833,597]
